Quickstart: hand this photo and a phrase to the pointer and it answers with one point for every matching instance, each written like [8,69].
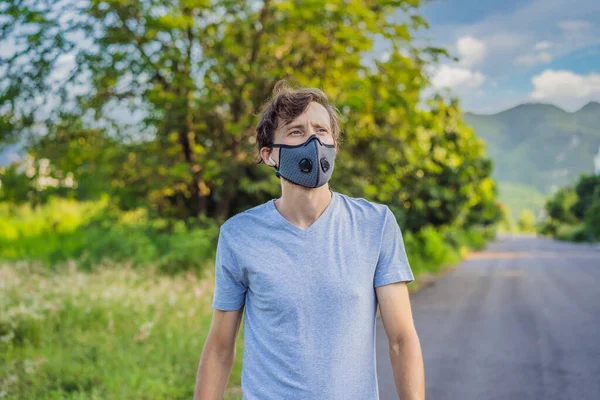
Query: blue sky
[516,51]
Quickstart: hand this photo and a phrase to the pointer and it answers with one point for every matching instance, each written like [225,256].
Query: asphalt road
[520,320]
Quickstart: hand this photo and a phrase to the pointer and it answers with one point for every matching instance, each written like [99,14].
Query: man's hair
[285,105]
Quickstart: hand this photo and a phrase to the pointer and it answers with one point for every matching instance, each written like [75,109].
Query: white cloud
[447,76]
[574,25]
[472,51]
[508,35]
[533,59]
[552,83]
[545,45]
[566,88]
[523,32]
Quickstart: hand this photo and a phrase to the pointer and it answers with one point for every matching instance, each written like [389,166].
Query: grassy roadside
[113,333]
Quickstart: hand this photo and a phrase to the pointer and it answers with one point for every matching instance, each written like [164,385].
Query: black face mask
[309,164]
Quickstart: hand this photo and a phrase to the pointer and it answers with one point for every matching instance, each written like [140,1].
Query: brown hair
[286,104]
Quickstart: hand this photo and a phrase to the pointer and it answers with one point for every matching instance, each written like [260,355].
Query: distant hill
[537,148]
[518,197]
[540,145]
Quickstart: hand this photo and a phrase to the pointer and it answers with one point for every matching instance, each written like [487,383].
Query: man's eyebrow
[302,125]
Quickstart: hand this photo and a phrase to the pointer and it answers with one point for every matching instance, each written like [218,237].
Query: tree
[507,222]
[592,216]
[585,189]
[195,72]
[559,206]
[526,221]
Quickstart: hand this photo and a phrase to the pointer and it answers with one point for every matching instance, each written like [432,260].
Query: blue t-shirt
[309,296]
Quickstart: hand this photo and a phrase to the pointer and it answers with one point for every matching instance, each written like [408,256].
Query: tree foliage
[575,211]
[194,74]
[586,188]
[559,206]
[527,221]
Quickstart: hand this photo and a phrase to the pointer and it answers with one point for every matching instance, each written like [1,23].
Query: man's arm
[218,355]
[404,344]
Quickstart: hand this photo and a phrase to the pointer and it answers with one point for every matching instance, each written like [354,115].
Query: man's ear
[268,154]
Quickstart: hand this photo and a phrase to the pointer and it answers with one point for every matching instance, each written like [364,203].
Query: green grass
[113,333]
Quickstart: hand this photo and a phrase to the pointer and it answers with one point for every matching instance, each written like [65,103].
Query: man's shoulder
[362,206]
[245,219]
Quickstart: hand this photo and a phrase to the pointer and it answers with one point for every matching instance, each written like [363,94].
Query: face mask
[309,164]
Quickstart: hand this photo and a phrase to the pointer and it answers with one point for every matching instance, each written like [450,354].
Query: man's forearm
[409,372]
[213,374]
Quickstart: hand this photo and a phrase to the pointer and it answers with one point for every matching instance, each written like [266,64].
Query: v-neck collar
[315,225]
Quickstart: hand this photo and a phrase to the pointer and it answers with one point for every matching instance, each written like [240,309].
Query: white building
[597,162]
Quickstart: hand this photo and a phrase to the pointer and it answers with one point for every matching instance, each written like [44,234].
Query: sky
[516,51]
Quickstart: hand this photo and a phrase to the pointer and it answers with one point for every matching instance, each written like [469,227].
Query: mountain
[591,107]
[537,148]
[540,145]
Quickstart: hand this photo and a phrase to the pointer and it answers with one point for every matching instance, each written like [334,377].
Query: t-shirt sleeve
[392,265]
[230,284]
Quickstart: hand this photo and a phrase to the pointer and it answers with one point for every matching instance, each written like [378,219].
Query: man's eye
[323,129]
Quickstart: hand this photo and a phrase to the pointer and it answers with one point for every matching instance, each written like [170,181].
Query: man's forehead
[315,113]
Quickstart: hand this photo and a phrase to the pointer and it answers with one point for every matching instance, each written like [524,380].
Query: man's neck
[303,206]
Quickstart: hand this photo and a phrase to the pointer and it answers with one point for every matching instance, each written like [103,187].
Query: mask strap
[276,167]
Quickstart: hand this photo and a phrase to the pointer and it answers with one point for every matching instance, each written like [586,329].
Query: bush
[527,221]
[92,232]
[573,233]
[548,227]
[592,217]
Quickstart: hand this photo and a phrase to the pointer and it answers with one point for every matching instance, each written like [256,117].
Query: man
[310,268]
